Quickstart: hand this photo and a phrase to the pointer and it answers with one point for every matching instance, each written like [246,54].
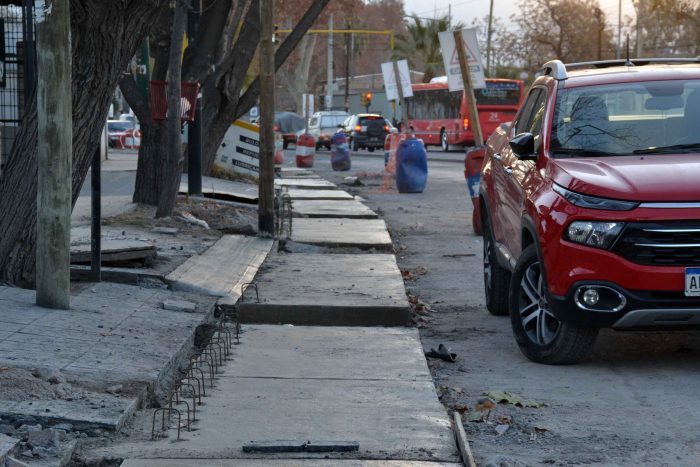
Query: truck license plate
[692,282]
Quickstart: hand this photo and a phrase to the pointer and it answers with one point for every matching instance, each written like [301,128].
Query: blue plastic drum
[411,166]
[340,152]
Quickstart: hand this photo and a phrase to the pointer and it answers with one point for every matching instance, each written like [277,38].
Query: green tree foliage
[421,46]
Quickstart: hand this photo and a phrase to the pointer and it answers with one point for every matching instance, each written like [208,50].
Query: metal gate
[17,68]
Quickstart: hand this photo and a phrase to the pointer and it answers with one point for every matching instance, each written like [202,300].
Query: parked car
[115,130]
[590,206]
[288,124]
[367,131]
[323,125]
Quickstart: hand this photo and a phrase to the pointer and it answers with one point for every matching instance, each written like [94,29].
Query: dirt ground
[634,402]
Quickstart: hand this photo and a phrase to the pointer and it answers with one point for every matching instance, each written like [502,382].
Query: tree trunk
[96,27]
[173,155]
[231,106]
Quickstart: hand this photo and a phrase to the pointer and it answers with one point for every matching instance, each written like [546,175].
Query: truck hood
[662,178]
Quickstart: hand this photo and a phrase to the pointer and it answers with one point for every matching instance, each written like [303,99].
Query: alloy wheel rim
[540,325]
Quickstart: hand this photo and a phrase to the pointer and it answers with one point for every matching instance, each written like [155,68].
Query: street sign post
[389,74]
[450,57]
[397,82]
[462,59]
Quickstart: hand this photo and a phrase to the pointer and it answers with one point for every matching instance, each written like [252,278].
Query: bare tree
[105,36]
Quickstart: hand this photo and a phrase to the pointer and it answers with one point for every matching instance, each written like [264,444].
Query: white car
[323,125]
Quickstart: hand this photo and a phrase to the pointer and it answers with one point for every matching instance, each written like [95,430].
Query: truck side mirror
[523,146]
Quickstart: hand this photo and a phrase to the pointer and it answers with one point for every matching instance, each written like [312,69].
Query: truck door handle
[497,156]
[508,170]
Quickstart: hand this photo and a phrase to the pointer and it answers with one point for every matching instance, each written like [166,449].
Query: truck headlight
[595,234]
[594,202]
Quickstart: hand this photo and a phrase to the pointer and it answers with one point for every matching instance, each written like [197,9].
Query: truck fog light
[599,298]
[591,297]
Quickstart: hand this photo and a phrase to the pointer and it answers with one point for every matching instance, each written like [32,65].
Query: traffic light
[366,100]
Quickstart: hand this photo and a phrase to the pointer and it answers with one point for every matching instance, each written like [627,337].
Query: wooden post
[469,90]
[402,101]
[266,190]
[55,154]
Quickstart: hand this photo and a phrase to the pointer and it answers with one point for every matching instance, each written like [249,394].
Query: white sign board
[392,92]
[451,59]
[239,153]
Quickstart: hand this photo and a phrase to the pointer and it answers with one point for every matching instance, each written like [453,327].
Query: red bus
[440,117]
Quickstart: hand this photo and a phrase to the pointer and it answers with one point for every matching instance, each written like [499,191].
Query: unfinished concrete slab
[298,383]
[296,194]
[113,335]
[223,269]
[224,189]
[332,209]
[115,251]
[280,463]
[304,183]
[359,233]
[328,290]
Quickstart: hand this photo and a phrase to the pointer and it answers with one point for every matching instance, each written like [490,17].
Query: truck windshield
[649,117]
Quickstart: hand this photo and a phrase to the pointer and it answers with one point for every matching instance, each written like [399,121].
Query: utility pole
[266,180]
[55,154]
[488,40]
[449,16]
[329,77]
[601,27]
[348,55]
[619,29]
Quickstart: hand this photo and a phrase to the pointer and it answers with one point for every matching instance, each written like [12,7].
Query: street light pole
[55,154]
[266,189]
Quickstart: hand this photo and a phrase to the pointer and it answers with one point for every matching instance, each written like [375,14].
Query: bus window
[498,93]
[433,104]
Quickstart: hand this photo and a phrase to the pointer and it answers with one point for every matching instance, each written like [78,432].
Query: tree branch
[136,100]
[250,96]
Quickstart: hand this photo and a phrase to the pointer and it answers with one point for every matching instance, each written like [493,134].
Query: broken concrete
[329,290]
[297,194]
[304,183]
[7,447]
[115,251]
[113,334]
[360,233]
[223,269]
[219,188]
[332,209]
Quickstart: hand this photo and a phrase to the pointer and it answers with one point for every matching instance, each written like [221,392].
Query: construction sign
[240,151]
[451,59]
[392,92]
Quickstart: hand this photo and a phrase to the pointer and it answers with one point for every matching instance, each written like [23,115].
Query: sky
[467,10]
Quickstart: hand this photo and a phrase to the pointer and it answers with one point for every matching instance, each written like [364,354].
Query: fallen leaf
[461,408]
[504,420]
[540,429]
[4,369]
[507,397]
[484,404]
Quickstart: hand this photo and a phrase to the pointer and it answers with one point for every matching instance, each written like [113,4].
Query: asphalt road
[634,402]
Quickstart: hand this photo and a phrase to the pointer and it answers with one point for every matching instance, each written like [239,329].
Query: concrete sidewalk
[289,384]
